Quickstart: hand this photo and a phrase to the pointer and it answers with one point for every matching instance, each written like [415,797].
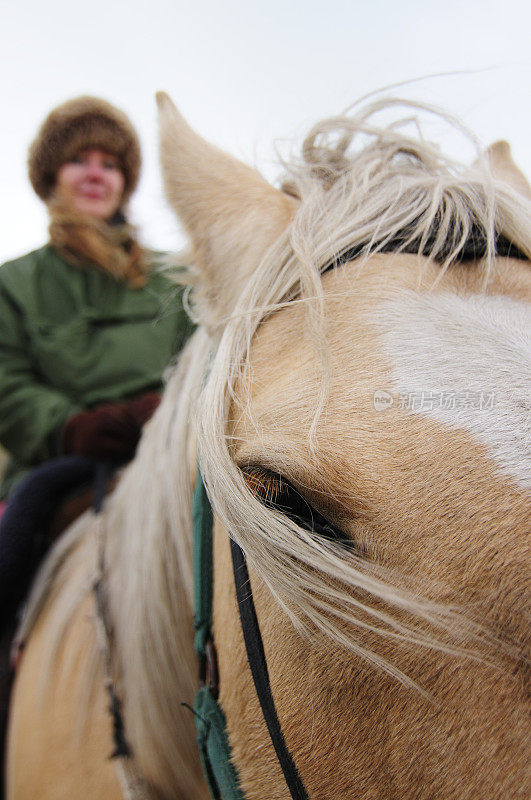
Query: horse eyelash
[278,494]
[266,485]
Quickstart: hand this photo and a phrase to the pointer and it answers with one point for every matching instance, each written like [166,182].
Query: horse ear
[504,169]
[229,211]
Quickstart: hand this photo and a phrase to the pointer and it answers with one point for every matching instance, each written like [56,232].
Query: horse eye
[279,494]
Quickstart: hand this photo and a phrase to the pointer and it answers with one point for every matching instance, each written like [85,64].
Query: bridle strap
[473,249]
[133,785]
[259,671]
[103,471]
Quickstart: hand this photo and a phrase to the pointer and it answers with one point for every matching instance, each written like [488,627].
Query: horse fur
[260,251]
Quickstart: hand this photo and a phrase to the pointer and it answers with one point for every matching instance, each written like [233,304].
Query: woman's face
[92,182]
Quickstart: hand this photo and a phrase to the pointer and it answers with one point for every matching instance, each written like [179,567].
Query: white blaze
[466,362]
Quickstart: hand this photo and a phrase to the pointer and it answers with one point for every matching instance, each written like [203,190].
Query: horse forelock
[361,184]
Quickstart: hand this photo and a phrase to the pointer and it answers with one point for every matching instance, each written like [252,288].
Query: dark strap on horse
[203,575]
[102,473]
[259,671]
[473,249]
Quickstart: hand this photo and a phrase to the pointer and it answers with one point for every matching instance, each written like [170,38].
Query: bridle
[220,773]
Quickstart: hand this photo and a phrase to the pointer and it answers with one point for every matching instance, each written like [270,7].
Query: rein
[221,775]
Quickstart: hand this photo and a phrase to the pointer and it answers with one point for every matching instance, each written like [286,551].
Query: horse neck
[150,587]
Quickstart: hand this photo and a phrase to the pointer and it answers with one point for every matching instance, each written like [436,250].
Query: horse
[357,397]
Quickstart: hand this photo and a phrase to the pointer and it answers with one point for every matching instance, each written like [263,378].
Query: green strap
[203,575]
[214,747]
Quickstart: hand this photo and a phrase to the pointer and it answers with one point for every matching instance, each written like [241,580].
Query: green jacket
[73,338]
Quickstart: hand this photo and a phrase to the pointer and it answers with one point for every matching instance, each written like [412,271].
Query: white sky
[247,74]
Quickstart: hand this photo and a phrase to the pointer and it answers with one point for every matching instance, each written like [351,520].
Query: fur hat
[78,124]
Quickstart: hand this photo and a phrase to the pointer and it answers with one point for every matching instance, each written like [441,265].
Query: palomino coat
[72,338]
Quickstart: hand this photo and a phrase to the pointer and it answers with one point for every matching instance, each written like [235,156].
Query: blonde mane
[358,184]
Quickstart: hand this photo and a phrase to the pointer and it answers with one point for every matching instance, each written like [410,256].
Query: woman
[87,321]
[88,324]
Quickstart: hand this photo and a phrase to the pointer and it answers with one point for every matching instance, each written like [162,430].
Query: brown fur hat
[78,124]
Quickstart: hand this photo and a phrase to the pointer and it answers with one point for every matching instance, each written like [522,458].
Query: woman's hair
[111,247]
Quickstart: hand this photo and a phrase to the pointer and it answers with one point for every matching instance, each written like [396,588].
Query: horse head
[363,430]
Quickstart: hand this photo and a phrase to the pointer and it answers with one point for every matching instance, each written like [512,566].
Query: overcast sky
[247,74]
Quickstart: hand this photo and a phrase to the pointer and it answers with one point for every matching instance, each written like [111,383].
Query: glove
[109,431]
[144,406]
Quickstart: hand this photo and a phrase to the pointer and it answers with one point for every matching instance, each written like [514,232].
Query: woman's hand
[109,431]
[144,406]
